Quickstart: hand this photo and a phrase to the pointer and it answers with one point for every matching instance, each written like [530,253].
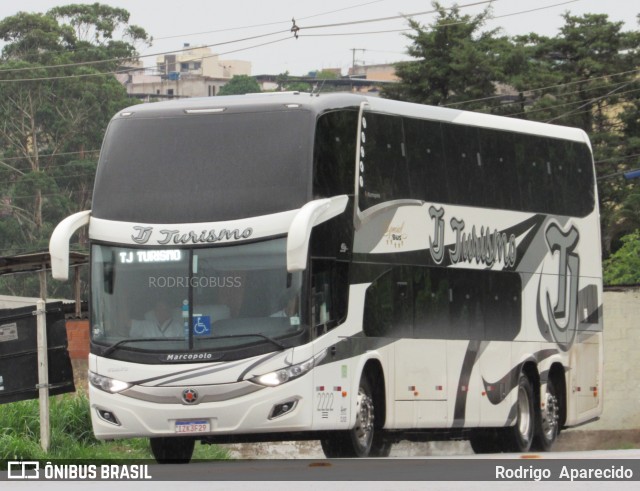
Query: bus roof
[319,103]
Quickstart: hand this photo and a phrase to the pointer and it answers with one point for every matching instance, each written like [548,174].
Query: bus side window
[465,173]
[335,146]
[329,294]
[378,306]
[500,184]
[425,158]
[466,304]
[431,290]
[535,174]
[578,180]
[502,305]
[383,169]
[389,304]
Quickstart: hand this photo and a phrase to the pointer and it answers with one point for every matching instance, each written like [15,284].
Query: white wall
[621,385]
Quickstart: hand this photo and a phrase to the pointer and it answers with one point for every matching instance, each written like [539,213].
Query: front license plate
[200,426]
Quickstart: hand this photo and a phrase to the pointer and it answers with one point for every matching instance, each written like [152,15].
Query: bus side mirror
[312,214]
[59,243]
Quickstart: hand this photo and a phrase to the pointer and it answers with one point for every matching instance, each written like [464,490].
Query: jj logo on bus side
[562,317]
[495,247]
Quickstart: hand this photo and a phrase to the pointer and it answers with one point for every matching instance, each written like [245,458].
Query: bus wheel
[547,420]
[172,450]
[521,435]
[362,440]
[362,433]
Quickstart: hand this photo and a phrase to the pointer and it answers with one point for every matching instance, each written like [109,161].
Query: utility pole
[353,57]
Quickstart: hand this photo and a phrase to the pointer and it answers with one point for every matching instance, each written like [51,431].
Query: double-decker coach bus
[341,268]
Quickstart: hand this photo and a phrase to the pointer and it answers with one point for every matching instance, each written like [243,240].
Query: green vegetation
[71,434]
[586,76]
[58,94]
[623,267]
[240,84]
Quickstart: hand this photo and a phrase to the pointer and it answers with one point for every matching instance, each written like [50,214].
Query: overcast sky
[205,22]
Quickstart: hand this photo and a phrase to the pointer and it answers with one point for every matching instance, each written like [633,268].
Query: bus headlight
[107,384]
[284,375]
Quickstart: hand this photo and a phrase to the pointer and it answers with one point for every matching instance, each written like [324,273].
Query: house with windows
[190,72]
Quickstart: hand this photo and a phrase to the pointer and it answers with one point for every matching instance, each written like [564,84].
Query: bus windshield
[191,168]
[210,299]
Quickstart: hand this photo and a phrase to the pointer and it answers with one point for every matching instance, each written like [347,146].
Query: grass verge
[71,434]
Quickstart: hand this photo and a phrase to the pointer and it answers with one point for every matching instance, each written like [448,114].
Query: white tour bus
[341,268]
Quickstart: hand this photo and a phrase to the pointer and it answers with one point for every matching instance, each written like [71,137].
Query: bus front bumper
[177,411]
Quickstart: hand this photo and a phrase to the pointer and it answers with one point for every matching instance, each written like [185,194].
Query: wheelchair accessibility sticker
[201,325]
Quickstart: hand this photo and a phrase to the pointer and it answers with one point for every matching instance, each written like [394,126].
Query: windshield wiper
[267,338]
[110,349]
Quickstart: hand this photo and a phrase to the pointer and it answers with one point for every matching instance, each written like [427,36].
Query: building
[379,73]
[200,61]
[361,79]
[189,72]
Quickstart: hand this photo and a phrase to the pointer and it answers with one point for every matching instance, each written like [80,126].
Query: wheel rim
[363,429]
[524,414]
[550,417]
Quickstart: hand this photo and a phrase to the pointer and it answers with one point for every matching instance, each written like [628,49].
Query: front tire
[172,450]
[364,439]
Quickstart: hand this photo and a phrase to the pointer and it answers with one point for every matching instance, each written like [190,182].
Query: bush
[71,434]
[623,266]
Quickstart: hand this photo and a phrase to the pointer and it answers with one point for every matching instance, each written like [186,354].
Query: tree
[240,84]
[455,60]
[54,109]
[623,267]
[286,83]
[588,69]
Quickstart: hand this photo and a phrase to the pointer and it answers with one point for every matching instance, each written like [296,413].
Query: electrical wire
[596,99]
[437,26]
[132,58]
[396,17]
[119,72]
[89,49]
[267,24]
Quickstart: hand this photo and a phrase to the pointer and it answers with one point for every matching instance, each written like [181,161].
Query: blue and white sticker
[201,325]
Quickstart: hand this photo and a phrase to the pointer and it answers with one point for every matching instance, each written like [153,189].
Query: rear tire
[547,420]
[520,436]
[172,450]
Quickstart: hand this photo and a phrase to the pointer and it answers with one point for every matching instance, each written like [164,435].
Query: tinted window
[384,175]
[465,173]
[335,153]
[499,163]
[444,303]
[425,156]
[450,163]
[204,168]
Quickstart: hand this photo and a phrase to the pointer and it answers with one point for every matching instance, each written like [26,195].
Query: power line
[122,59]
[438,26]
[268,23]
[49,155]
[132,58]
[394,17]
[99,74]
[596,99]
[548,87]
[555,106]
[89,49]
